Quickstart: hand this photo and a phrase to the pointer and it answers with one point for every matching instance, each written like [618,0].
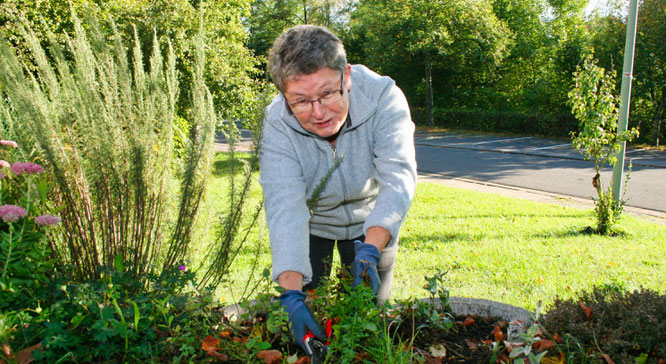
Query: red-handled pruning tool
[315,349]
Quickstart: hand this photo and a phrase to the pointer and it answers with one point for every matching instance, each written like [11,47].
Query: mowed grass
[493,247]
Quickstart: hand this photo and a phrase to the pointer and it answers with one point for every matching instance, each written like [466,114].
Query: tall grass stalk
[103,121]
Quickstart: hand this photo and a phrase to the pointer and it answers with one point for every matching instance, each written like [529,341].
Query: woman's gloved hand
[365,265]
[301,318]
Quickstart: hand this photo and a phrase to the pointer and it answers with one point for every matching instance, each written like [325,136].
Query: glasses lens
[301,107]
[331,98]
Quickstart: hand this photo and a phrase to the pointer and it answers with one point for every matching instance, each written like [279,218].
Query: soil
[468,342]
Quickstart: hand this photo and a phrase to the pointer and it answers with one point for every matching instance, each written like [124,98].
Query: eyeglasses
[331,97]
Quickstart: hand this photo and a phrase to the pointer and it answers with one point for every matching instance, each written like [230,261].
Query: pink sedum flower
[8,143]
[10,213]
[27,167]
[47,220]
[4,163]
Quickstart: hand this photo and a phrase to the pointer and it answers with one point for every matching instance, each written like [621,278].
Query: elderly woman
[347,122]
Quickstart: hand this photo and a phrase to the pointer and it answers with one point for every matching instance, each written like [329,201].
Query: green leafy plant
[25,247]
[594,104]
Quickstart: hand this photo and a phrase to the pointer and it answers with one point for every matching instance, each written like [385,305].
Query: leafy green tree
[650,64]
[443,45]
[594,104]
[231,69]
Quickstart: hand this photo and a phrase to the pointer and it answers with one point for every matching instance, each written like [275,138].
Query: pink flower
[4,163]
[47,220]
[182,268]
[11,212]
[27,167]
[2,175]
[8,143]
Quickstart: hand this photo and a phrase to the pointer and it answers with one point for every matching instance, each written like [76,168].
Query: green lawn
[495,247]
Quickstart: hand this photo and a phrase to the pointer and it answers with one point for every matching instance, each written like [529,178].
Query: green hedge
[560,125]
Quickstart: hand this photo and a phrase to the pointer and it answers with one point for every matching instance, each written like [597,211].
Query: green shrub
[624,325]
[103,121]
[509,122]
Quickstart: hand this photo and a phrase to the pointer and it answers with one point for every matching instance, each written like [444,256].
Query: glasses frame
[341,90]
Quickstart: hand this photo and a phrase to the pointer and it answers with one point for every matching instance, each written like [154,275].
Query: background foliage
[506,60]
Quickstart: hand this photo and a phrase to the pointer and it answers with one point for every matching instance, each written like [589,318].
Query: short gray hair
[303,50]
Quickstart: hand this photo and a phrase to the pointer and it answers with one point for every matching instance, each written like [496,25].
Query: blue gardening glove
[301,318]
[365,265]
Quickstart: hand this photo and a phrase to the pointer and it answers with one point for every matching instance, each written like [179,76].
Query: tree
[594,104]
[269,18]
[442,44]
[650,63]
[230,69]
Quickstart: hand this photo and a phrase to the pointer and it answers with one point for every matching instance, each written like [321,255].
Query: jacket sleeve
[395,162]
[287,216]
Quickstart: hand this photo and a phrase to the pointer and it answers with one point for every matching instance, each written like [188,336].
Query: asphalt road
[552,166]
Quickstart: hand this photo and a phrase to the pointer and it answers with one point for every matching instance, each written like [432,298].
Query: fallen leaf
[217,355]
[586,309]
[557,359]
[557,338]
[498,334]
[608,359]
[437,350]
[6,349]
[473,344]
[468,321]
[210,344]
[25,356]
[545,345]
[303,360]
[270,356]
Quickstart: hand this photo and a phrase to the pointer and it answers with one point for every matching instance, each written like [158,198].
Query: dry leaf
[586,309]
[24,356]
[6,349]
[498,334]
[557,338]
[270,356]
[210,344]
[473,344]
[608,359]
[468,321]
[217,355]
[437,350]
[303,360]
[557,359]
[545,345]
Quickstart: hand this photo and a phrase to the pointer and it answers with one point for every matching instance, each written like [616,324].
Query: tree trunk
[429,96]
[656,126]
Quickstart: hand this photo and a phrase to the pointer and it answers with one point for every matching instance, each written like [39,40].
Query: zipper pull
[334,150]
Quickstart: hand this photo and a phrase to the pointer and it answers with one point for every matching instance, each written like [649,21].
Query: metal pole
[625,97]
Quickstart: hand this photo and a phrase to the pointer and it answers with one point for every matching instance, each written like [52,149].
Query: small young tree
[594,104]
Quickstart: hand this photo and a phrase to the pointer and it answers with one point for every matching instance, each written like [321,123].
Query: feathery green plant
[103,121]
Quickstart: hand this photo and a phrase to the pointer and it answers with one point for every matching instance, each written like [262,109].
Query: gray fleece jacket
[372,186]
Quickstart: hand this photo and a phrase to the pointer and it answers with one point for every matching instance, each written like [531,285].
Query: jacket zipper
[334,150]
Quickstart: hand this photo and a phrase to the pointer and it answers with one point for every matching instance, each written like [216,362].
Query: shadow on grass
[588,230]
[498,216]
[224,165]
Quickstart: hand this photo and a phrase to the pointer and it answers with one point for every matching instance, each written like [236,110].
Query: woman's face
[322,120]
